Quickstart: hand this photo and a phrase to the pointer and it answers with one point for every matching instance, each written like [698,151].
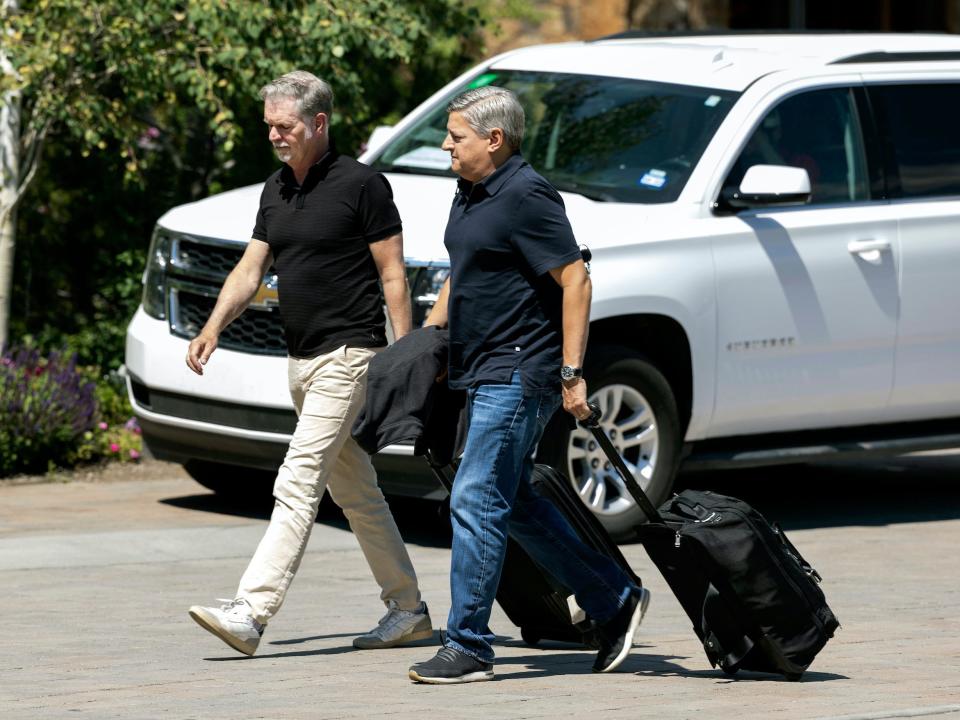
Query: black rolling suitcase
[534,601]
[755,603]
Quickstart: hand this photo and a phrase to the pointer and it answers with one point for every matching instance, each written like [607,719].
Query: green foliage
[110,395]
[147,104]
[106,72]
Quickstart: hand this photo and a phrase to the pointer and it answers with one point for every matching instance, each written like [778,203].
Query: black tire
[231,480]
[613,372]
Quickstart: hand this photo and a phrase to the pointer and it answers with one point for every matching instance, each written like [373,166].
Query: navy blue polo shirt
[504,235]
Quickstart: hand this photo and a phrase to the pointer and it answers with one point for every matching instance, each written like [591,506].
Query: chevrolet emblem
[267,294]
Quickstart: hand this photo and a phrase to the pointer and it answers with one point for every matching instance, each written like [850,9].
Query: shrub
[113,405]
[121,443]
[46,405]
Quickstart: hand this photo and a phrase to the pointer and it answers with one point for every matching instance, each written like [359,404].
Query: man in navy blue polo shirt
[517,303]
[329,226]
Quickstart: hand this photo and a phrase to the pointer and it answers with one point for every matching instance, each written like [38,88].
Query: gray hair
[489,107]
[312,94]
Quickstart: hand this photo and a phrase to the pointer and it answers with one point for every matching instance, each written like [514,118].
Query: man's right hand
[200,350]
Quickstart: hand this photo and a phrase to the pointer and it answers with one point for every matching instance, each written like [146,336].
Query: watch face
[569,373]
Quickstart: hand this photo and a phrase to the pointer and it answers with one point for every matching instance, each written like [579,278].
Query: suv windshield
[606,138]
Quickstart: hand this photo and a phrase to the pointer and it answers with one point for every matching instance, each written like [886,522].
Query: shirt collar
[495,180]
[317,171]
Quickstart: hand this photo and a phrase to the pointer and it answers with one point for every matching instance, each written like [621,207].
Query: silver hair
[489,107]
[312,94]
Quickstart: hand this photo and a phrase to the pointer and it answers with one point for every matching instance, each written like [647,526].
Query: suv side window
[818,131]
[921,139]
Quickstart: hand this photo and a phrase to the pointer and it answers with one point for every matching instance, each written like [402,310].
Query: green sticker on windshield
[482,81]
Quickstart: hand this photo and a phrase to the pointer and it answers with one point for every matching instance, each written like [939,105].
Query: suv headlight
[426,282]
[154,275]
[430,283]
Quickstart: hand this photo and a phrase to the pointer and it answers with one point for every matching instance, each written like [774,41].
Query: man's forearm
[438,313]
[576,321]
[396,294]
[237,292]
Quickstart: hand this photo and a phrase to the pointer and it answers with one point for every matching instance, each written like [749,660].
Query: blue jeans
[492,496]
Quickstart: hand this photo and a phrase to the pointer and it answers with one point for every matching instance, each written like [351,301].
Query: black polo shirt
[504,235]
[319,234]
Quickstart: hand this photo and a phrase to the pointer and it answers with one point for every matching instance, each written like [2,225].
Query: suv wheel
[640,417]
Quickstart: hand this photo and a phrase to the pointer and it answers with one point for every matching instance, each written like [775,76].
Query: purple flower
[102,425]
[45,405]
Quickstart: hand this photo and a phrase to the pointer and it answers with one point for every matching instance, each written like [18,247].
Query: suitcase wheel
[530,637]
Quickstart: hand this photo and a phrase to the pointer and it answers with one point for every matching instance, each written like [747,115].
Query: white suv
[775,229]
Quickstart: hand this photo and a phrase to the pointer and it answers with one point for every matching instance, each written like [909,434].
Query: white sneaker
[232,622]
[397,627]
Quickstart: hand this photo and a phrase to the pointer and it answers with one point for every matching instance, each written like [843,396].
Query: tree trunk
[9,155]
[10,176]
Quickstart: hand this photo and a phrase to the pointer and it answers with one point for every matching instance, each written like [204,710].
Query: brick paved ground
[97,577]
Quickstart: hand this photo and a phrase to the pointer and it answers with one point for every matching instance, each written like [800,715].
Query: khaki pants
[328,392]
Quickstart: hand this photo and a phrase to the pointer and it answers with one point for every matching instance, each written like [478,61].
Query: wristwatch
[568,372]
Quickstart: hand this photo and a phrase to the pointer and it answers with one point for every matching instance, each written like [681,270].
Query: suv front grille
[257,331]
[198,267]
[197,259]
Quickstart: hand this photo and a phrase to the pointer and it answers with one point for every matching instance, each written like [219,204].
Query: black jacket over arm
[406,403]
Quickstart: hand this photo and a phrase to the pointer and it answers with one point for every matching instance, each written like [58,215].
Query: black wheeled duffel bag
[754,602]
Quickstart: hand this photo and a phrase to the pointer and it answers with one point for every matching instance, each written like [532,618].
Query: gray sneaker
[232,622]
[397,627]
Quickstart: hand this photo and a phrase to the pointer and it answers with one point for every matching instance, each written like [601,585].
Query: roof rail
[641,34]
[882,56]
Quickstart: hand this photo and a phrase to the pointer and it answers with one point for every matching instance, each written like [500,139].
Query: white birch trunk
[10,176]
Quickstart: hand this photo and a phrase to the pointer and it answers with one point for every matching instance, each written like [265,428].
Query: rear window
[921,138]
[606,138]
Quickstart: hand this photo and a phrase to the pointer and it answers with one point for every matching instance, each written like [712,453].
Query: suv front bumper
[185,417]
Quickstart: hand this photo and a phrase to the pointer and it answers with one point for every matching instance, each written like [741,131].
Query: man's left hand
[575,398]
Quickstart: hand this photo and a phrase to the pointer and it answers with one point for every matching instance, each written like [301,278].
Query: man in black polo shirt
[518,303]
[329,226]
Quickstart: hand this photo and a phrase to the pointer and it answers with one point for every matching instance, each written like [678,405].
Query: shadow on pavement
[638,663]
[878,492]
[842,493]
[421,522]
[347,646]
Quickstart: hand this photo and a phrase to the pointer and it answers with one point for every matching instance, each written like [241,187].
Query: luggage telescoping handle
[592,424]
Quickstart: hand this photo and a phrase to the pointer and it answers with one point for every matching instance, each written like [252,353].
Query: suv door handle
[867,246]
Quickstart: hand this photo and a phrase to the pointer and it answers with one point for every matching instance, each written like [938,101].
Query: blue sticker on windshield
[654,179]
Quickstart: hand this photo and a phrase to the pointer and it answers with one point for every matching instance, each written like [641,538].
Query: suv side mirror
[767,186]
